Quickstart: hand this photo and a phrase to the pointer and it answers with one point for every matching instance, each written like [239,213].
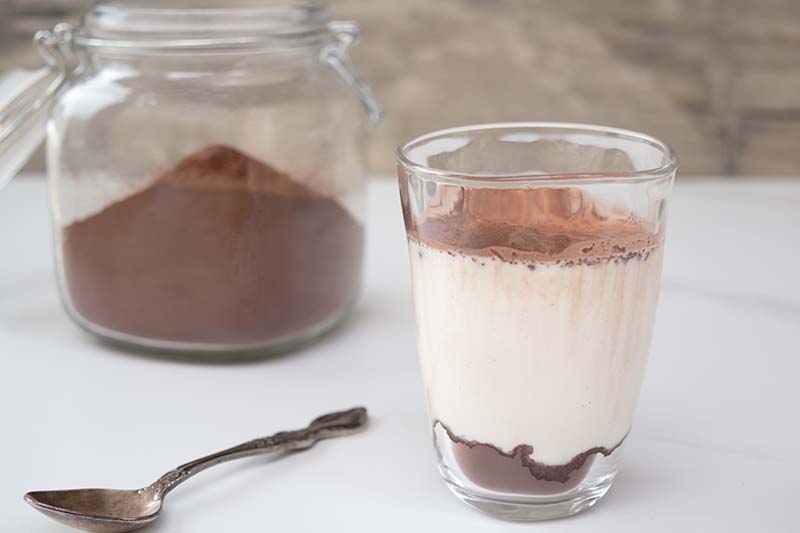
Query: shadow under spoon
[112,511]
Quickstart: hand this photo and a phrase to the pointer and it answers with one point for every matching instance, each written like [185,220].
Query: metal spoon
[107,510]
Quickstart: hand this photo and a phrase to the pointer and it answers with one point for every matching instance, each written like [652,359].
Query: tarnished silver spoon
[107,510]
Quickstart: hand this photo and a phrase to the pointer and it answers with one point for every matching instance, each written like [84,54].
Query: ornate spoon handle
[337,424]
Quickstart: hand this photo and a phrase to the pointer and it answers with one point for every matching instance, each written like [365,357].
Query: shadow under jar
[206,173]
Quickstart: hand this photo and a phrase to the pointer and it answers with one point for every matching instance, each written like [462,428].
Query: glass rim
[665,170]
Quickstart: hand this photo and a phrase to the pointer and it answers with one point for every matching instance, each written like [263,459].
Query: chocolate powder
[221,249]
[538,225]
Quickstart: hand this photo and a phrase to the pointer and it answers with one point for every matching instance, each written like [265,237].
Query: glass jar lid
[193,24]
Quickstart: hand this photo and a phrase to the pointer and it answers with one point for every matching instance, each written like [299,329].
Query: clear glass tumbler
[535,254]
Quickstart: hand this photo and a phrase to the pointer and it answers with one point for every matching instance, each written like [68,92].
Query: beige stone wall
[719,79]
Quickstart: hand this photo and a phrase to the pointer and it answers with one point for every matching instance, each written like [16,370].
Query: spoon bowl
[100,510]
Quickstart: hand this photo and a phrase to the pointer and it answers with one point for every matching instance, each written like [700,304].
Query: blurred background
[718,79]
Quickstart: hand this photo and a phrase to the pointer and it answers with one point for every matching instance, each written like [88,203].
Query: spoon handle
[336,424]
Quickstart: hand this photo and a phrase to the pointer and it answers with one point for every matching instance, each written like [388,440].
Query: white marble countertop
[714,446]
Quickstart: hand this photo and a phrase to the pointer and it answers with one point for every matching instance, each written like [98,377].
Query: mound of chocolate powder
[219,249]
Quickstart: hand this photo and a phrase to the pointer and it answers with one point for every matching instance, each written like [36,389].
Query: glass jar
[205,169]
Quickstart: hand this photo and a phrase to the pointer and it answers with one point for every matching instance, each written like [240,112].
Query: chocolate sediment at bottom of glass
[517,472]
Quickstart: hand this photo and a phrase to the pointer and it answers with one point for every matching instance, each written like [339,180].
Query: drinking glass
[536,253]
